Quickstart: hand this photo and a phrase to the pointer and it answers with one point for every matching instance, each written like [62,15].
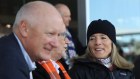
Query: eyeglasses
[62,35]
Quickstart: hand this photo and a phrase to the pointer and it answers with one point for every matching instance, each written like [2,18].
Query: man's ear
[23,28]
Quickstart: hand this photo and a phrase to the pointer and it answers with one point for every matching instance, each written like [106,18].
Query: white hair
[23,14]
[30,12]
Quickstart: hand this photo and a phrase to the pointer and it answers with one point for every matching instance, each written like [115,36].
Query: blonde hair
[119,61]
[116,58]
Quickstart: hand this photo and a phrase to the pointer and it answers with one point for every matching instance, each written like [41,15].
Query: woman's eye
[103,37]
[92,38]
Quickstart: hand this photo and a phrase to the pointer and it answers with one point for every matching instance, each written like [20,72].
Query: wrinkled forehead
[58,24]
[55,26]
[51,20]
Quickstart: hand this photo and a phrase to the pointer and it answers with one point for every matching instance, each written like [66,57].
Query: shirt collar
[56,66]
[30,63]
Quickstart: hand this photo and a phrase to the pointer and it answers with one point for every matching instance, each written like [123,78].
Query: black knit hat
[102,26]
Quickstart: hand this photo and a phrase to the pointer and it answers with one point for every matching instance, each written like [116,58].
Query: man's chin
[46,58]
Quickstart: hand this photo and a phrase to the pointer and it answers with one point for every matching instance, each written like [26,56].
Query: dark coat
[137,68]
[12,61]
[85,69]
[40,72]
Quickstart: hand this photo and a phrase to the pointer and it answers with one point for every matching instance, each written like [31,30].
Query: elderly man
[34,36]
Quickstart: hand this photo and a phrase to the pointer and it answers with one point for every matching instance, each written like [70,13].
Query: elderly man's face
[44,37]
[59,52]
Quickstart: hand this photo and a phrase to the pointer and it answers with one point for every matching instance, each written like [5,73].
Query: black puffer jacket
[85,69]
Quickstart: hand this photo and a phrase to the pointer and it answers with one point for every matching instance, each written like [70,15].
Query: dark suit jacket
[12,62]
[40,72]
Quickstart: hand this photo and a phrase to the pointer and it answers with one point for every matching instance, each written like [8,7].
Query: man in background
[74,45]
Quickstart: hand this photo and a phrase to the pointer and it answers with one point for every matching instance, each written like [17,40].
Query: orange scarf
[48,66]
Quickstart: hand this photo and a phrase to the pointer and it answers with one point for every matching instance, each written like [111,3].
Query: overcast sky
[124,14]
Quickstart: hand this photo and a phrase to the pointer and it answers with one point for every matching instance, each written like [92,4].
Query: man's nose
[55,42]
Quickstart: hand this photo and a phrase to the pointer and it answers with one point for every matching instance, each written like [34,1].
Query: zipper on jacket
[112,75]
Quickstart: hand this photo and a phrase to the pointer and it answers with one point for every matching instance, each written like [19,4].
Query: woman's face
[100,45]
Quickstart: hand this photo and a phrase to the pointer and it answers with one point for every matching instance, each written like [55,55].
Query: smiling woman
[101,60]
